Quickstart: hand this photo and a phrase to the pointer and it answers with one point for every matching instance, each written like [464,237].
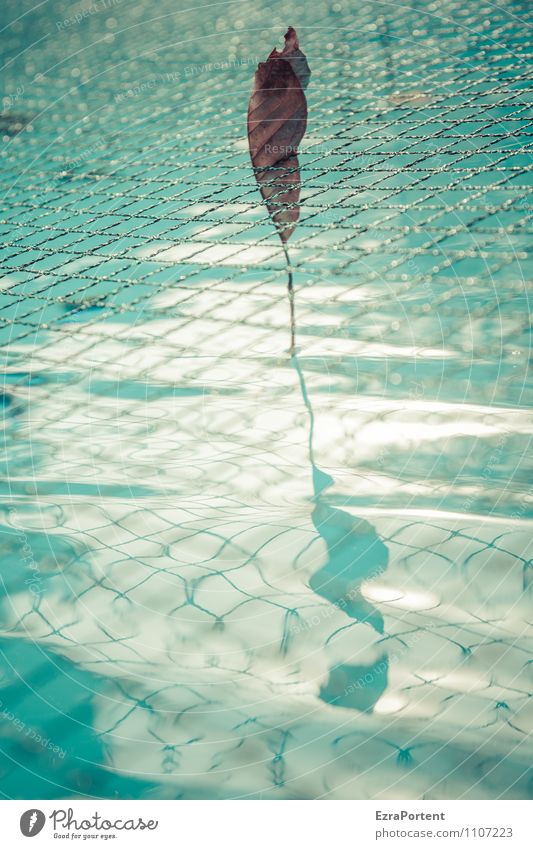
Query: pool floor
[229,571]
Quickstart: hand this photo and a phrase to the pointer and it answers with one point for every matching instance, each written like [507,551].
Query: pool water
[230,572]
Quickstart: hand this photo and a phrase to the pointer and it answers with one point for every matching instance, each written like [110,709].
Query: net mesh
[229,572]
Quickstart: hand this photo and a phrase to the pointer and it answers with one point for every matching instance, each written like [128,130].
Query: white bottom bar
[268,824]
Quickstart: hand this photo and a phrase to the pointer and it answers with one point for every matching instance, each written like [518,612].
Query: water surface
[229,572]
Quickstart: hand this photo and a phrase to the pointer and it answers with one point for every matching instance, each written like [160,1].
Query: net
[227,571]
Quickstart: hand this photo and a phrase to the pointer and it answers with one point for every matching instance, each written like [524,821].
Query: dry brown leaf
[277,118]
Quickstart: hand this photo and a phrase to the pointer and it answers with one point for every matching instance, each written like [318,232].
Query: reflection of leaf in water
[355,553]
[356,687]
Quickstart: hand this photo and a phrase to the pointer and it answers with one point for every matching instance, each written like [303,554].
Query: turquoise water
[229,572]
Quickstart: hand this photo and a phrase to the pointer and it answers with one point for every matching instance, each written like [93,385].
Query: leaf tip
[291,41]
